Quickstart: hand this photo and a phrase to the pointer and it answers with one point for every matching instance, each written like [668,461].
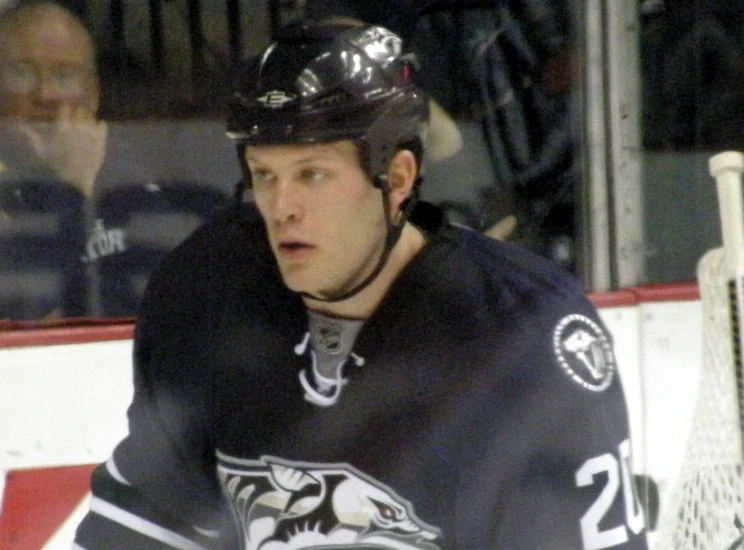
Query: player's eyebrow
[322,152]
[310,158]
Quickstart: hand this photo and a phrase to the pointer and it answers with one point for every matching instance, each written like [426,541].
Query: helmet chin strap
[394,231]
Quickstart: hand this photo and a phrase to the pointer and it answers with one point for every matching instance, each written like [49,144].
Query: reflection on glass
[87,206]
[122,137]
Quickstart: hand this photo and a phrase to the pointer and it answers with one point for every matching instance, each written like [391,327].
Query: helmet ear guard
[398,127]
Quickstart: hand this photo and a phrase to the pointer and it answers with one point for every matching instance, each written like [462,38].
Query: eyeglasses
[23,78]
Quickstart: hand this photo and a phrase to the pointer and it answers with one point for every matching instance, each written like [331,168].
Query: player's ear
[401,176]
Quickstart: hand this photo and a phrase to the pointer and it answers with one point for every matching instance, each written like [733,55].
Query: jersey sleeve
[122,516]
[159,488]
[576,487]
[555,468]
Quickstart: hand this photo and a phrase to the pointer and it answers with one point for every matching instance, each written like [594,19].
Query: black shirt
[483,409]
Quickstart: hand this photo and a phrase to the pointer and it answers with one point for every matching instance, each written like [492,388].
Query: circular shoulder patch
[584,352]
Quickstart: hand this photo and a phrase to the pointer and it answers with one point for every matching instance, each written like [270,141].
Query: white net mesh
[706,502]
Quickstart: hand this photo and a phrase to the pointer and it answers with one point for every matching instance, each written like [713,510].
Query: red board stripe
[66,335]
[677,292]
[36,502]
[618,298]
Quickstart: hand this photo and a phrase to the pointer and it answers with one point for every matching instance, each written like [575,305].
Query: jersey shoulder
[518,277]
[543,313]
[230,244]
[224,262]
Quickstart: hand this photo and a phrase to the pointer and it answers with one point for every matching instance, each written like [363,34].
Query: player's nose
[287,202]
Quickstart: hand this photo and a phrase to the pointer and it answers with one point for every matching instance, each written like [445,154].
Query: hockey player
[334,365]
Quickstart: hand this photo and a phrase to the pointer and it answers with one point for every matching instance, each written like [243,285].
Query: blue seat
[154,219]
[41,236]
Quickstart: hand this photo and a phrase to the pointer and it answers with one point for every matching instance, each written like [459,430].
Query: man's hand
[73,146]
[503,228]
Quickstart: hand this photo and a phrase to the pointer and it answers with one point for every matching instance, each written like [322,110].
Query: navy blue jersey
[480,408]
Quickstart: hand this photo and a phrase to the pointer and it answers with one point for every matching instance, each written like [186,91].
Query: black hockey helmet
[322,83]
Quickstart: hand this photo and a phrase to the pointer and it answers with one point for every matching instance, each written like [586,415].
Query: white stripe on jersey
[115,473]
[143,526]
[207,533]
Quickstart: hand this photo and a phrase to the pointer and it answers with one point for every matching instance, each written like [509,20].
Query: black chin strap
[394,231]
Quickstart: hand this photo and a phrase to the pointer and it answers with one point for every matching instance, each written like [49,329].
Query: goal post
[705,507]
[727,168]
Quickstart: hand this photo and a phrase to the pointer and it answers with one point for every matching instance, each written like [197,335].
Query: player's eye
[312,175]
[259,175]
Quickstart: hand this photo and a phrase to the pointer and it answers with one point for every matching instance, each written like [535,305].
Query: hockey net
[705,508]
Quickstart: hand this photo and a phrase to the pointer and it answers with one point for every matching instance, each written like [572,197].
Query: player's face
[46,63]
[325,220]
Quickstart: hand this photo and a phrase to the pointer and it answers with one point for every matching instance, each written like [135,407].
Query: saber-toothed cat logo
[283,505]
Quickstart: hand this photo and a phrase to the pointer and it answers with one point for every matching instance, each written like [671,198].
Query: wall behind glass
[692,62]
